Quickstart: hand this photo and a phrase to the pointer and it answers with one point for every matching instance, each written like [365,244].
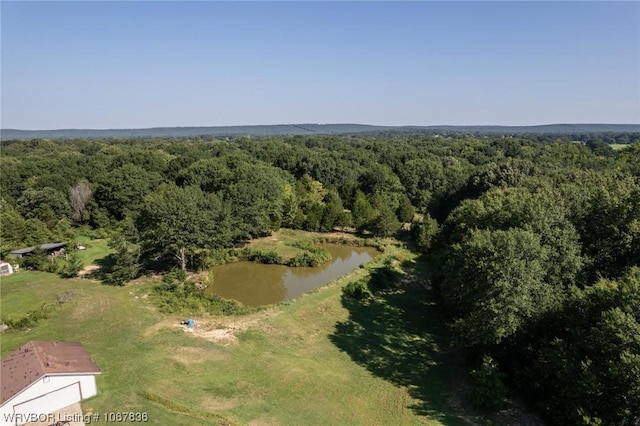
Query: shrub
[262,256]
[177,294]
[357,289]
[219,257]
[424,232]
[383,277]
[488,392]
[72,266]
[29,320]
[314,256]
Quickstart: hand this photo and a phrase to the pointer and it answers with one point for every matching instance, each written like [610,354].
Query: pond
[257,284]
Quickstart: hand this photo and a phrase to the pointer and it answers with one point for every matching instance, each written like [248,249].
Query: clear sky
[157,64]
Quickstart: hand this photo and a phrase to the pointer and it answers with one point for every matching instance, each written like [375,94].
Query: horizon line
[316,124]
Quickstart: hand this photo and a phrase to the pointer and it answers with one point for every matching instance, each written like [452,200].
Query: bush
[29,320]
[354,242]
[314,256]
[488,391]
[37,260]
[383,277]
[219,257]
[185,298]
[262,256]
[424,232]
[357,289]
[72,266]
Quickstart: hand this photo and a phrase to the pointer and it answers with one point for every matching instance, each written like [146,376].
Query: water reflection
[255,284]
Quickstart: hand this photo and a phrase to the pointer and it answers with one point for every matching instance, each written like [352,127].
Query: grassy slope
[317,360]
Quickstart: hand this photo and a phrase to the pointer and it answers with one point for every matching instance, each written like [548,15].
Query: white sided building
[42,377]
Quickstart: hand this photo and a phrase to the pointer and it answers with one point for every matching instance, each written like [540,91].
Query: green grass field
[321,359]
[282,242]
[619,146]
[95,250]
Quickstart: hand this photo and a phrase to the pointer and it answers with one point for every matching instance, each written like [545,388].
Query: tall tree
[126,264]
[46,204]
[177,221]
[405,209]
[333,212]
[385,223]
[362,212]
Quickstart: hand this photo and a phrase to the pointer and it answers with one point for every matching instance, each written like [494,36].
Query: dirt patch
[337,234]
[87,271]
[262,422]
[215,403]
[222,330]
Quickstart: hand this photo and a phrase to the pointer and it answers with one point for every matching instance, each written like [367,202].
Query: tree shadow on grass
[399,335]
[106,265]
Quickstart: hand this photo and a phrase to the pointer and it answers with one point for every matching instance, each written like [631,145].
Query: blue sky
[156,64]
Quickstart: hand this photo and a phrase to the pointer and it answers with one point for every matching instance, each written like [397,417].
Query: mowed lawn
[318,360]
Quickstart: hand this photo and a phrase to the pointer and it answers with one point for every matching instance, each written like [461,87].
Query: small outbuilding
[49,248]
[40,378]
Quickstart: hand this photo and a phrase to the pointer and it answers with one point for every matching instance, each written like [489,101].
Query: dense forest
[533,241]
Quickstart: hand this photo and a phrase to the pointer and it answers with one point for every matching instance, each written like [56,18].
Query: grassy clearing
[287,242]
[318,360]
[282,242]
[619,146]
[95,250]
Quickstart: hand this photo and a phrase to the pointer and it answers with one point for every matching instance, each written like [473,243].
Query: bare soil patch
[215,403]
[88,270]
[222,330]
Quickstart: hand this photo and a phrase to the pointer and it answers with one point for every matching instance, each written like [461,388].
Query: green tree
[37,260]
[509,257]
[290,207]
[333,214]
[406,211]
[72,265]
[121,191]
[12,227]
[424,232]
[126,266]
[495,285]
[385,224]
[488,390]
[591,370]
[177,220]
[46,204]
[605,209]
[311,194]
[362,212]
[256,196]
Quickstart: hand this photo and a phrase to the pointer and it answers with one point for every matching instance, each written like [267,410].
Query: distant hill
[304,129]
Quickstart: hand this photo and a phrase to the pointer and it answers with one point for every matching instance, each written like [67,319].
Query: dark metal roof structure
[46,247]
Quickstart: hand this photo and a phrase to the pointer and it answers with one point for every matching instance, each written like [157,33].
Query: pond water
[257,284]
